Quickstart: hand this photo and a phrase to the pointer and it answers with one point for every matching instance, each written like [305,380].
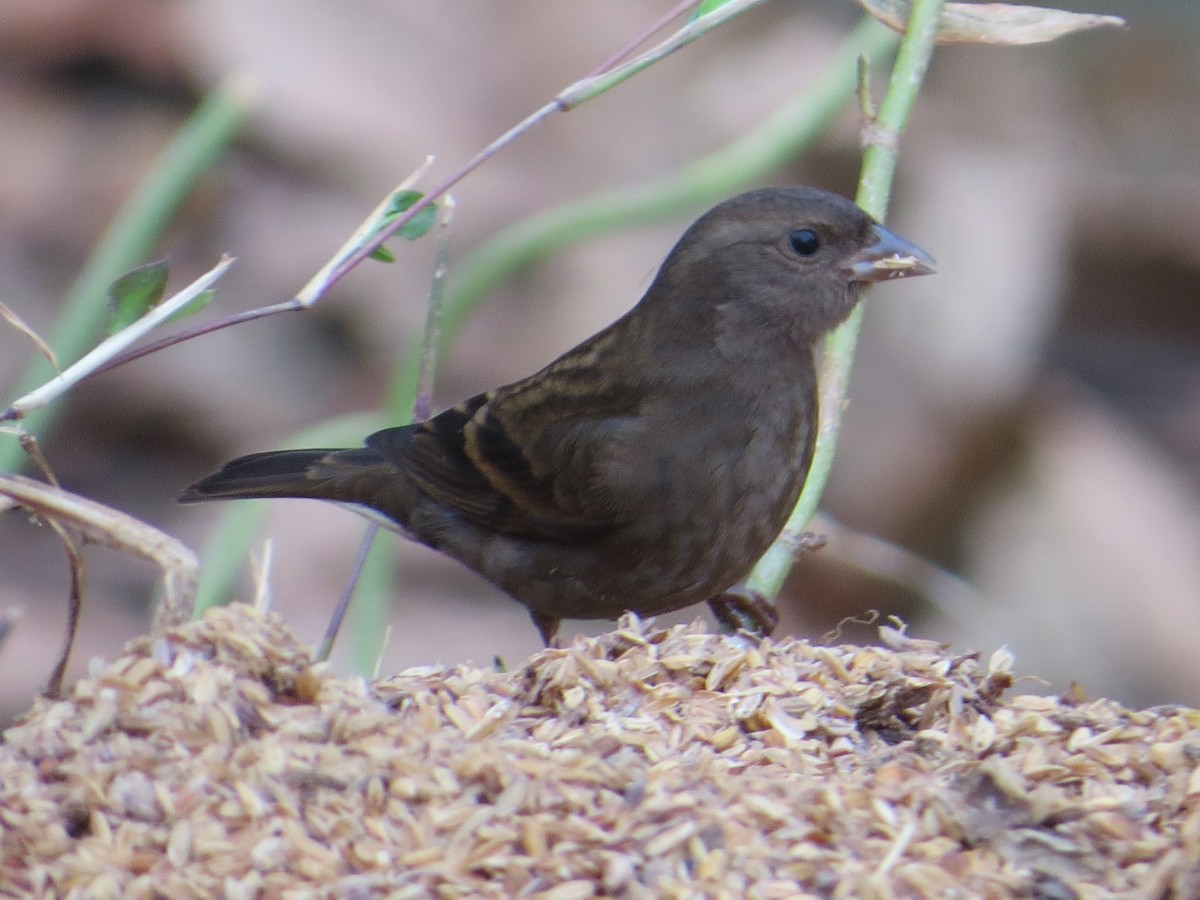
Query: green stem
[875,185]
[375,588]
[129,239]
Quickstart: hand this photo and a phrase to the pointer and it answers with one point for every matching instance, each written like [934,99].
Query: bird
[648,468]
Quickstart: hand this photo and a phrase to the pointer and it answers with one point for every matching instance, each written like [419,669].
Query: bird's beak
[889,257]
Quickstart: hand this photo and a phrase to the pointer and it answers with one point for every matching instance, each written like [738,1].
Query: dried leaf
[994,23]
[18,323]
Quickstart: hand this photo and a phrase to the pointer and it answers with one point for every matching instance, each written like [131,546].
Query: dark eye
[805,241]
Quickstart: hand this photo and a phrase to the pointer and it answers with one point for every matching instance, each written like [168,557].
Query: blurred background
[1028,420]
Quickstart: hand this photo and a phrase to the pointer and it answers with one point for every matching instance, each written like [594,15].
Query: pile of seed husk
[218,760]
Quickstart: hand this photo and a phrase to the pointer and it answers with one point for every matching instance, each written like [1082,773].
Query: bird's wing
[541,485]
[433,453]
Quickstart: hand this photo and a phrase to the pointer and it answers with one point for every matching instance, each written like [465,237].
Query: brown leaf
[994,23]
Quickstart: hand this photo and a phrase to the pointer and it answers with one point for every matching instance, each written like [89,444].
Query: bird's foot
[743,609]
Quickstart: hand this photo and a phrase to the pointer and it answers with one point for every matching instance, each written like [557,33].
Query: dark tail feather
[279,473]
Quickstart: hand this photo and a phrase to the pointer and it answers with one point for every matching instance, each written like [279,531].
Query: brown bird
[651,466]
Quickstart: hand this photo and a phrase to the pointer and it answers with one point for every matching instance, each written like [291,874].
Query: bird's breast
[726,481]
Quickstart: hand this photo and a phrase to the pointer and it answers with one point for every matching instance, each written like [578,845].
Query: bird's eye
[805,241]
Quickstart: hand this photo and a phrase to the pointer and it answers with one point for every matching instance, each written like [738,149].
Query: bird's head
[794,258]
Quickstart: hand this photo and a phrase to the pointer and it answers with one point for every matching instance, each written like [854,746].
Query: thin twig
[653,28]
[24,328]
[101,524]
[196,331]
[581,91]
[431,339]
[462,172]
[107,349]
[195,147]
[307,296]
[343,604]
[78,571]
[421,409]
[29,443]
[587,88]
[363,235]
[75,563]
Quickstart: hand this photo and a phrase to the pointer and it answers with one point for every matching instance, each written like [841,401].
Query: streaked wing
[470,459]
[433,453]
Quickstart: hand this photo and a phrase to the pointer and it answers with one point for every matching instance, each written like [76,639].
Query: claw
[743,609]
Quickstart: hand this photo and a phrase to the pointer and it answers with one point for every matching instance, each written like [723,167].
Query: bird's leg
[547,626]
[743,609]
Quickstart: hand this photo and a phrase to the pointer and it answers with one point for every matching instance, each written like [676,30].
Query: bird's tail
[280,473]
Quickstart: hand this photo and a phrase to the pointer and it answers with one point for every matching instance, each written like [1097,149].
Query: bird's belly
[650,567]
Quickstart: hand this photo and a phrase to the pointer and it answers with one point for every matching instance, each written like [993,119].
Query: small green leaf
[135,293]
[708,6]
[192,307]
[401,203]
[420,225]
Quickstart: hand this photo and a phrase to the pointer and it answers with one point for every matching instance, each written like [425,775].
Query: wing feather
[530,458]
